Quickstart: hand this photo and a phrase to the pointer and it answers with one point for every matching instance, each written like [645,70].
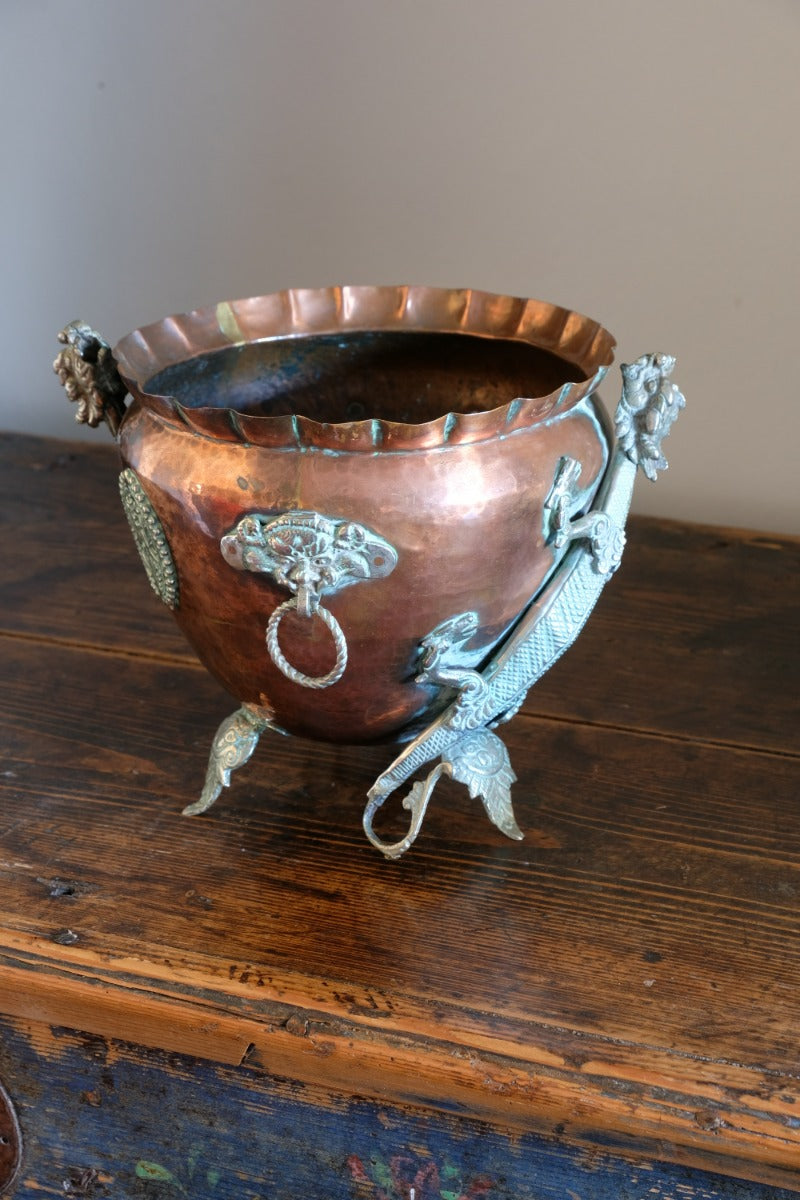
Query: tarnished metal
[607,540]
[649,407]
[313,556]
[544,632]
[442,658]
[308,553]
[88,373]
[456,439]
[281,661]
[563,500]
[151,541]
[233,745]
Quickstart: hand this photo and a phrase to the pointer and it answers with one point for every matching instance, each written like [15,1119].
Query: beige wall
[635,159]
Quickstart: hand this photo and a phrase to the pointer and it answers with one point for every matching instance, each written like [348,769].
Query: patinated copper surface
[436,419]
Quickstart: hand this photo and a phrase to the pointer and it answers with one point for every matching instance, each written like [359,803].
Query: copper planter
[357,501]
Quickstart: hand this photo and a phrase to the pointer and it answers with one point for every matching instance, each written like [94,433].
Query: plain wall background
[637,160]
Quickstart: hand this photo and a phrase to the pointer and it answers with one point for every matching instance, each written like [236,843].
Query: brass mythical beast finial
[647,411]
[89,376]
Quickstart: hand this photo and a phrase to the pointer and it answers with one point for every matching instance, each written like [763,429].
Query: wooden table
[254,1004]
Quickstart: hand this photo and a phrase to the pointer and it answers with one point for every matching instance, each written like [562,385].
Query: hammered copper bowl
[432,419]
[377,513]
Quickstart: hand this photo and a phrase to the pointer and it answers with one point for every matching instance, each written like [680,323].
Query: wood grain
[237,1135]
[70,571]
[632,966]
[627,976]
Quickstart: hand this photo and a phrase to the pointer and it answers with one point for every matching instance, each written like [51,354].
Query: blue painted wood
[111,1121]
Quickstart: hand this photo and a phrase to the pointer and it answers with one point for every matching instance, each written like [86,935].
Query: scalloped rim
[306,312]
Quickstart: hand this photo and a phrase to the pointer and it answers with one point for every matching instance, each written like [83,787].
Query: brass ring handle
[283,664]
[312,555]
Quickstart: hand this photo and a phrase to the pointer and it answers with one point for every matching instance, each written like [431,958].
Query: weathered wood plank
[622,1114]
[69,570]
[633,966]
[216,1132]
[697,637]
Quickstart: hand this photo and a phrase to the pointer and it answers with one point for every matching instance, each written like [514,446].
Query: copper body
[437,418]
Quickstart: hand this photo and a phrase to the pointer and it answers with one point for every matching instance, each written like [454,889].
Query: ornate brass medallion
[151,541]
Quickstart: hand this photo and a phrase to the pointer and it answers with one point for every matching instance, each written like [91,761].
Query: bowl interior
[404,376]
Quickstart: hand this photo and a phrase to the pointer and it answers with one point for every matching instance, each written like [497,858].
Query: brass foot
[234,743]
